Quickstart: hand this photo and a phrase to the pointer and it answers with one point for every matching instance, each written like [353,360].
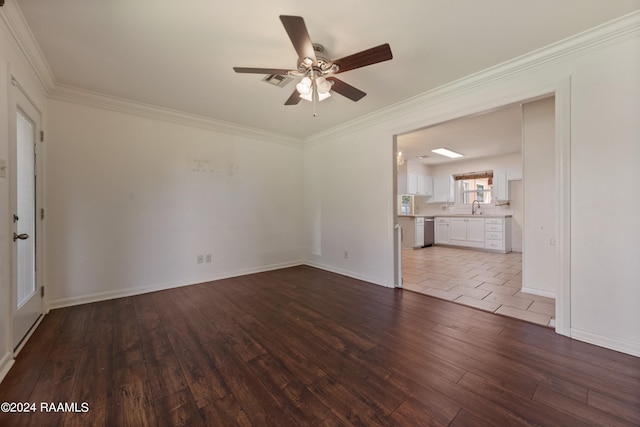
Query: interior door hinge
[41,291]
[42,213]
[41,136]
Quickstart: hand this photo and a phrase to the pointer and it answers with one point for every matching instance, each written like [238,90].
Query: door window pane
[26,224]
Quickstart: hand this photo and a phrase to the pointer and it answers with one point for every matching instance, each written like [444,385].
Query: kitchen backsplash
[421,208]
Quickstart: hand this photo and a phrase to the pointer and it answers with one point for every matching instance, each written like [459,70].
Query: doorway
[559,160]
[26,190]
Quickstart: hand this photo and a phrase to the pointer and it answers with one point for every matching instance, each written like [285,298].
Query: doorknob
[23,236]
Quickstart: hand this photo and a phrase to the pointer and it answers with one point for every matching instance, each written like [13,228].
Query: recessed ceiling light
[447,153]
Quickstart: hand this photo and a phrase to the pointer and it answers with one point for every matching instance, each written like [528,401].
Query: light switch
[3,168]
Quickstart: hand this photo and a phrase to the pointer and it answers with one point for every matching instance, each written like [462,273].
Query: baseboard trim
[538,292]
[122,293]
[348,273]
[6,363]
[26,338]
[617,344]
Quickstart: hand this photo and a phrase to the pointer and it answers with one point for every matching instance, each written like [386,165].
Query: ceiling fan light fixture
[323,96]
[304,87]
[309,96]
[323,85]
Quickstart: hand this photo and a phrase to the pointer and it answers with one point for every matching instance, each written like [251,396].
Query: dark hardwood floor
[301,346]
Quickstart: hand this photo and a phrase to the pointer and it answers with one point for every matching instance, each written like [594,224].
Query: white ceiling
[493,133]
[179,55]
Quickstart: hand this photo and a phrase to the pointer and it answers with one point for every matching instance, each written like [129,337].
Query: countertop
[492,215]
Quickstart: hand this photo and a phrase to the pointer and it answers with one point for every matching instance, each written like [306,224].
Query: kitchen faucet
[473,207]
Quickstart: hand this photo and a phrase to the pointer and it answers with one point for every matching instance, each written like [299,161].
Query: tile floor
[485,280]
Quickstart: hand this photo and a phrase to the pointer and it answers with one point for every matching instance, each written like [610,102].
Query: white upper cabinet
[443,189]
[514,174]
[415,184]
[425,185]
[500,185]
[501,178]
[404,185]
[412,183]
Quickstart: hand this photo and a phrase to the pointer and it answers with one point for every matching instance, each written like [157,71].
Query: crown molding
[589,40]
[112,103]
[26,43]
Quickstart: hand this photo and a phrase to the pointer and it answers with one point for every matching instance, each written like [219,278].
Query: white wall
[605,159]
[517,207]
[604,90]
[132,201]
[416,168]
[540,261]
[349,206]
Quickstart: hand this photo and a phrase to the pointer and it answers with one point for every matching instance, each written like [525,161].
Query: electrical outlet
[200,259]
[208,258]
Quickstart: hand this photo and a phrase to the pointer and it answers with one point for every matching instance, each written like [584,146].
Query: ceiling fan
[316,69]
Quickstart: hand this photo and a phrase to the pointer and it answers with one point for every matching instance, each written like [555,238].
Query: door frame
[17,92]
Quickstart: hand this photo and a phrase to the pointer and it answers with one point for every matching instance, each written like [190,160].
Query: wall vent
[277,80]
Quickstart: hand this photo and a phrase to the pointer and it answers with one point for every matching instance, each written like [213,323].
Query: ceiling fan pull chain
[314,92]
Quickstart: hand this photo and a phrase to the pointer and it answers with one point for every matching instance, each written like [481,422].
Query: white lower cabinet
[419,233]
[467,232]
[442,230]
[497,234]
[482,233]
[412,232]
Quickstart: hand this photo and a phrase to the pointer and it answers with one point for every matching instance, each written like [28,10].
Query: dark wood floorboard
[302,346]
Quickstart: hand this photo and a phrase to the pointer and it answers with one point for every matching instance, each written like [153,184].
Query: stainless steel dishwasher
[429,234]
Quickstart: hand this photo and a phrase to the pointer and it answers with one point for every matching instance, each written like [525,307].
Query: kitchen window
[475,186]
[406,204]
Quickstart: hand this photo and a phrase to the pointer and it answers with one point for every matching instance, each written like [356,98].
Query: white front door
[27,300]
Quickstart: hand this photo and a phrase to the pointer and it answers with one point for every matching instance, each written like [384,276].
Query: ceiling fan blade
[366,57]
[346,89]
[294,99]
[297,31]
[279,71]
